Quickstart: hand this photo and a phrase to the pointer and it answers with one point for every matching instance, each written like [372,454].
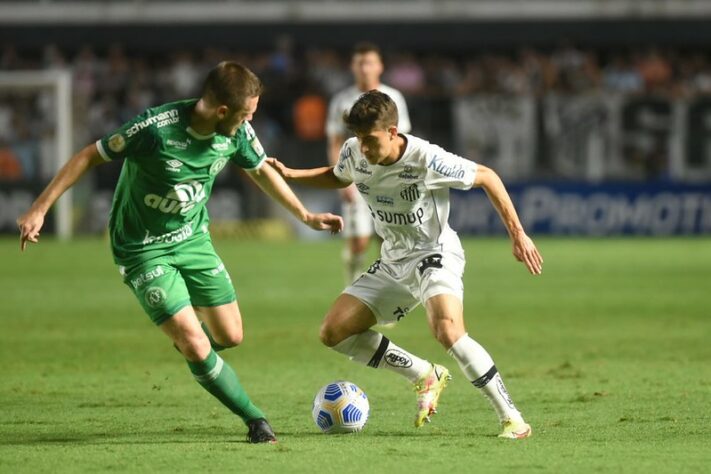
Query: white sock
[479,368]
[353,265]
[375,350]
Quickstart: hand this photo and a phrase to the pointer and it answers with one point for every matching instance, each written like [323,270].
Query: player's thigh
[183,328]
[357,219]
[207,280]
[439,281]
[388,298]
[224,322]
[159,288]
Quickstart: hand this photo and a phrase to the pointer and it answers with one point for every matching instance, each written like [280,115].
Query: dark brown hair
[373,110]
[366,47]
[229,83]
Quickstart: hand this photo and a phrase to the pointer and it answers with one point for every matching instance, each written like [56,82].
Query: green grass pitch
[607,354]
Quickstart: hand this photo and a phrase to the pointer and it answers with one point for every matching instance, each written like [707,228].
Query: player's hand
[348,194]
[325,221]
[525,251]
[283,171]
[30,224]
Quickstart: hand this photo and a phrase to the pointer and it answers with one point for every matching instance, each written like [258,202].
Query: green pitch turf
[607,355]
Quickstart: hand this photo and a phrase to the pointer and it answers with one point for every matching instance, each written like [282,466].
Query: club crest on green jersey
[217,166]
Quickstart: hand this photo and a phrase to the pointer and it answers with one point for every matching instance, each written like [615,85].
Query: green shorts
[191,275]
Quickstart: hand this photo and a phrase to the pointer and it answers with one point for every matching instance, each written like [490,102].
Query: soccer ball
[341,407]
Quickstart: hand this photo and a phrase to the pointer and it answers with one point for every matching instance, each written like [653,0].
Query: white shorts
[357,220]
[391,290]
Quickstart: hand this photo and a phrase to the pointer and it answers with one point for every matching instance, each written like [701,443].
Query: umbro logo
[363,188]
[173,165]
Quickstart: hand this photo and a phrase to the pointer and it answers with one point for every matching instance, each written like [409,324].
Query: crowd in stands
[113,85]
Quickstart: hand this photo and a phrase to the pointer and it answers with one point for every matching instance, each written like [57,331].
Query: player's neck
[398,149]
[367,86]
[202,120]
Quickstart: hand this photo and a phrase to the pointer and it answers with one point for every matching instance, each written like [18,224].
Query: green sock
[218,378]
[214,345]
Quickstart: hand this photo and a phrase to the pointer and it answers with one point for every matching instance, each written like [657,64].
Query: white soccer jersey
[409,199]
[344,100]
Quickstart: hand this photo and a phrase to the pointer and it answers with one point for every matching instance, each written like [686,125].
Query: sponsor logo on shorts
[363,188]
[155,297]
[431,261]
[144,278]
[220,146]
[397,358]
[217,166]
[401,312]
[117,143]
[408,173]
[410,193]
[399,218]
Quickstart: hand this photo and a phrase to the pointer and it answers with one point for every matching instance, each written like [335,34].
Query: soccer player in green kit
[159,223]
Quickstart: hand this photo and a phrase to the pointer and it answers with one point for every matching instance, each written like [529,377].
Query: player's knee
[447,333]
[230,339]
[329,335]
[194,347]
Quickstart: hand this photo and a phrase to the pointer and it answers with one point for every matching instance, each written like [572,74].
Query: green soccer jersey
[166,179]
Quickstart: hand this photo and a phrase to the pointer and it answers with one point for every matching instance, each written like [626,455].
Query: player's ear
[392,130]
[222,111]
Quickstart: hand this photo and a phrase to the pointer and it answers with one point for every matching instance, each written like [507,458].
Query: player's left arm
[269,180]
[523,247]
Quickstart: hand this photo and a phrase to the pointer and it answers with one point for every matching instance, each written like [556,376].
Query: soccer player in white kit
[367,67]
[405,181]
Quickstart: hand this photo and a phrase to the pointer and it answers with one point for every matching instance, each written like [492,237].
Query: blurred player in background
[405,181]
[159,223]
[367,67]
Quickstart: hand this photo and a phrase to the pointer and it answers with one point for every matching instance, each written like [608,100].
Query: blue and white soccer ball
[341,407]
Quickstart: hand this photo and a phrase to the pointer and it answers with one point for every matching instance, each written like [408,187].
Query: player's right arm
[323,177]
[30,223]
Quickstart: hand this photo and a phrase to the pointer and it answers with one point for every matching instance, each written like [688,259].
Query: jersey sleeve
[447,170]
[403,123]
[133,139]
[344,168]
[334,121]
[249,155]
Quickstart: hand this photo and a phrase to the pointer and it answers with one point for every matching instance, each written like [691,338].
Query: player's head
[373,119]
[232,91]
[366,65]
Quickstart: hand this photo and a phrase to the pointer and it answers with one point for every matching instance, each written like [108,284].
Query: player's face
[377,145]
[367,69]
[232,121]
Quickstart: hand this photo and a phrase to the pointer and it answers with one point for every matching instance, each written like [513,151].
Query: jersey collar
[197,135]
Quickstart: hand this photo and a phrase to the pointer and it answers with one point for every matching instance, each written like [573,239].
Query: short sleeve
[447,170]
[334,122]
[133,139]
[403,123]
[250,154]
[344,168]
